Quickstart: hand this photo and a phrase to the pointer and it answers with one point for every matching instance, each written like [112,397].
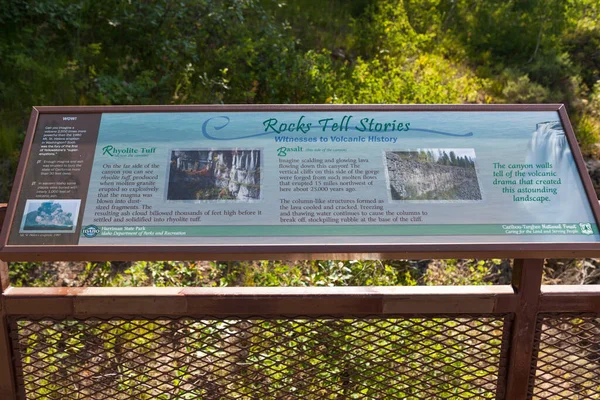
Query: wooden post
[7,373]
[4,281]
[526,281]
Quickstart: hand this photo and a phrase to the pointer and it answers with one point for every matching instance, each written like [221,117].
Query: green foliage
[587,123]
[30,274]
[463,272]
[588,131]
[140,273]
[507,32]
[10,141]
[582,39]
[264,273]
[522,90]
[11,138]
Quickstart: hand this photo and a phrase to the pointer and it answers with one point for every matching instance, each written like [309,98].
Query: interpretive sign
[262,179]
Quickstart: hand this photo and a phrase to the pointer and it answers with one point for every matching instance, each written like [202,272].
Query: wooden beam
[570,298]
[309,301]
[4,279]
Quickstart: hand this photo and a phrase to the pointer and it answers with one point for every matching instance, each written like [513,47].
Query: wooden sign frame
[324,250]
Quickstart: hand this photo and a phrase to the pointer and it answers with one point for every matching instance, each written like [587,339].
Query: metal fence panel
[397,357]
[568,361]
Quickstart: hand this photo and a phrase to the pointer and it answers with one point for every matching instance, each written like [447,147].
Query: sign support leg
[7,372]
[527,281]
[8,388]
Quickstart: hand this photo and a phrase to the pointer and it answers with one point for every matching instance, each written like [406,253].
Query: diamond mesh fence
[420,357]
[568,361]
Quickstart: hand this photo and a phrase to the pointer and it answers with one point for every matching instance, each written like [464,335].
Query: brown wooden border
[315,251]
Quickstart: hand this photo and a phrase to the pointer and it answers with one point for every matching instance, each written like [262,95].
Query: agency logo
[586,228]
[90,231]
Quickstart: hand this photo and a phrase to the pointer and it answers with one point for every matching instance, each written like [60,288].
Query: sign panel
[235,176]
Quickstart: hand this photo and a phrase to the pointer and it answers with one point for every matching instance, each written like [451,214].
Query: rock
[420,180]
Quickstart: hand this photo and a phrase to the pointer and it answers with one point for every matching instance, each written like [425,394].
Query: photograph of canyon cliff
[432,174]
[214,175]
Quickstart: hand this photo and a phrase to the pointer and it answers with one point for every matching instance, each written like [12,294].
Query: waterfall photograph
[549,151]
[549,143]
[223,174]
[432,174]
